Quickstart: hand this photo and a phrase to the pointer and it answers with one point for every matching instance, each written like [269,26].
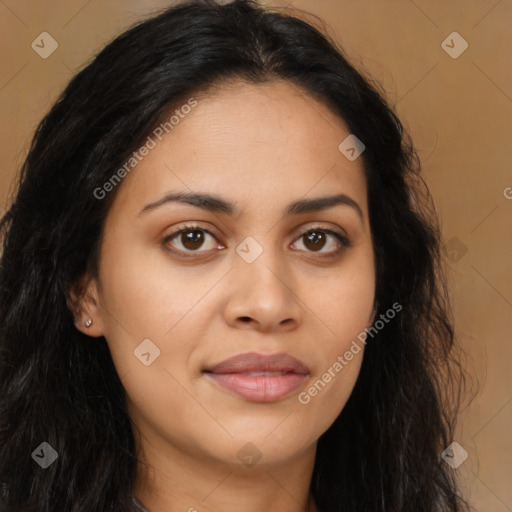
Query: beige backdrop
[456,102]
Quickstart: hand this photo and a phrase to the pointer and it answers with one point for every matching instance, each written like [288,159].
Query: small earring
[88,322]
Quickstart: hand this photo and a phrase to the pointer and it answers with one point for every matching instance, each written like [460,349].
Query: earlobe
[84,303]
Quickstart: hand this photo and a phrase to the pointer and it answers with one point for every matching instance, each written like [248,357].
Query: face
[184,287]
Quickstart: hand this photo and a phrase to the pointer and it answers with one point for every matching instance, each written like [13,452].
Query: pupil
[313,238]
[193,239]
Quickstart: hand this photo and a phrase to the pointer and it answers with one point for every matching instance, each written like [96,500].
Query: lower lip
[261,388]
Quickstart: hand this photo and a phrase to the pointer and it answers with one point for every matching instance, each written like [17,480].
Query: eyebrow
[216,204]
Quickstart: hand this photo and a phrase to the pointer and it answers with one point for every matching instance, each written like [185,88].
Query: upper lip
[254,362]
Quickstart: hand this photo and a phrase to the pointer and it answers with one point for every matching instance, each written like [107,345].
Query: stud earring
[88,322]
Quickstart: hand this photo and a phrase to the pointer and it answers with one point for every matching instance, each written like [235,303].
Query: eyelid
[318,227]
[343,240]
[191,226]
[341,237]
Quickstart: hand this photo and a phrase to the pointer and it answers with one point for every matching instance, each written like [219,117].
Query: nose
[262,295]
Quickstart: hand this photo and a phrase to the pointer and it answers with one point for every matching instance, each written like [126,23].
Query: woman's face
[248,281]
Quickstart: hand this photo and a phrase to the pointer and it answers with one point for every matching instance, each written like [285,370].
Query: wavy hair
[382,453]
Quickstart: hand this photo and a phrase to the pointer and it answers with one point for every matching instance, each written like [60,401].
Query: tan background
[458,111]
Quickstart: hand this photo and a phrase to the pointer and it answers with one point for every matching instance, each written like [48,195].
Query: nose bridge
[261,265]
[262,287]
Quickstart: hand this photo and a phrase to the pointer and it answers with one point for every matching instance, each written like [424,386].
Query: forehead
[258,146]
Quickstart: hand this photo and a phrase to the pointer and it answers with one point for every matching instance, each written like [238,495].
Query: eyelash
[344,241]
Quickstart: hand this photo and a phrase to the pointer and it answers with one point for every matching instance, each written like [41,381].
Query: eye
[316,238]
[191,238]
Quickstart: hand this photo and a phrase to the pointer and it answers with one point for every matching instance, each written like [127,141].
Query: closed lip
[255,362]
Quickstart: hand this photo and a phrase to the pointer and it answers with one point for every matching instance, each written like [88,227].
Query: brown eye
[193,239]
[190,239]
[315,239]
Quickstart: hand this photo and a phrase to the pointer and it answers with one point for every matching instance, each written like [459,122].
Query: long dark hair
[60,386]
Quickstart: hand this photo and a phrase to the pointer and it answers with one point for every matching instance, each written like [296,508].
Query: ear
[84,303]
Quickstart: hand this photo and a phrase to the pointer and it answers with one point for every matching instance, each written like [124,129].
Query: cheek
[144,298]
[344,302]
[324,399]
[145,293]
[345,307]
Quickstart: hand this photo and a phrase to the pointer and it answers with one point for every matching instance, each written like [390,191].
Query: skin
[261,147]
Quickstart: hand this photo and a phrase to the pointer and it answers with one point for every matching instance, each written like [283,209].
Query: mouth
[258,377]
